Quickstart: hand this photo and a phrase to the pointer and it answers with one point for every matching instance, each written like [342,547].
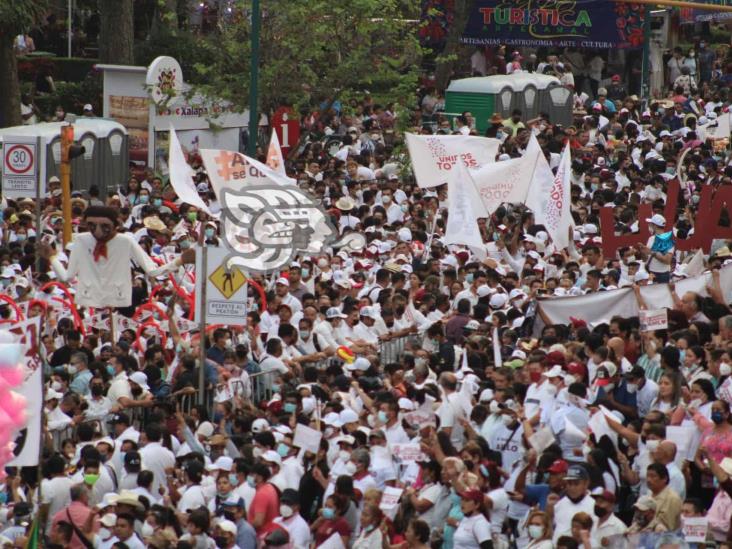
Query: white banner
[462,218]
[650,321]
[600,307]
[507,181]
[233,170]
[28,440]
[435,156]
[550,198]
[181,175]
[274,155]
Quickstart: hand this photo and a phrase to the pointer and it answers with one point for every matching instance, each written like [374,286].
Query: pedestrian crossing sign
[227,281]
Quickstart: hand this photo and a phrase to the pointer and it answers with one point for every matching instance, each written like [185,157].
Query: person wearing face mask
[56,420]
[644,389]
[473,531]
[388,417]
[291,520]
[607,524]
[210,233]
[371,536]
[576,413]
[342,464]
[539,528]
[190,496]
[576,499]
[224,494]
[265,506]
[332,521]
[362,477]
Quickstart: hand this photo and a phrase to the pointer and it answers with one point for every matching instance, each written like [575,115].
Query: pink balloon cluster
[12,405]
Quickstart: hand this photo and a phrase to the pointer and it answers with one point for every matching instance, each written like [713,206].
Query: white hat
[498,301]
[450,260]
[360,363]
[472,325]
[589,228]
[308,405]
[227,526]
[334,312]
[516,292]
[486,395]
[205,429]
[272,457]
[348,439]
[554,371]
[140,379]
[260,425]
[657,220]
[484,290]
[108,520]
[518,353]
[640,276]
[665,133]
[534,254]
[333,419]
[504,157]
[282,280]
[51,394]
[223,463]
[88,107]
[348,416]
[406,404]
[404,234]
[368,312]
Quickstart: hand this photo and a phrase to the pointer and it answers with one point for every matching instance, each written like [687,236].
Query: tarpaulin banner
[695,15]
[558,23]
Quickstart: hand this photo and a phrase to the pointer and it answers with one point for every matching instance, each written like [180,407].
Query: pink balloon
[12,376]
[13,406]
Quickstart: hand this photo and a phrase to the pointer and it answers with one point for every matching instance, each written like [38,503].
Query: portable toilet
[105,162]
[532,93]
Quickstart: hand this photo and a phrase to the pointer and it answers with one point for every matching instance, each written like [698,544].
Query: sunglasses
[104,227]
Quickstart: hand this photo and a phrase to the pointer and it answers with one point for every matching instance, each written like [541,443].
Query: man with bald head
[691,305]
[665,454]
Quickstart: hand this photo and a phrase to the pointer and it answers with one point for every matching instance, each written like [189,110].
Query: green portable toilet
[485,95]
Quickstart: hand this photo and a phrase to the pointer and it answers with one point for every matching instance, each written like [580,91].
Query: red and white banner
[233,170]
[550,198]
[435,156]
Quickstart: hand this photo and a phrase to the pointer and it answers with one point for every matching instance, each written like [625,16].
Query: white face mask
[286,511]
[725,369]
[344,455]
[652,445]
[350,468]
[57,386]
[631,388]
[147,530]
[257,452]
[535,531]
[507,420]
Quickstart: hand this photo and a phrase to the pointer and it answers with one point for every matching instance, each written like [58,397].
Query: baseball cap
[227,526]
[88,107]
[558,467]
[657,220]
[360,363]
[645,503]
[270,456]
[223,463]
[576,472]
[368,312]
[282,280]
[498,301]
[121,418]
[472,325]
[334,312]
[260,425]
[348,416]
[554,371]
[133,459]
[607,495]
[140,379]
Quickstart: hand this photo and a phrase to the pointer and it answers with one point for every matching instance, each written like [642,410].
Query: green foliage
[72,96]
[19,15]
[317,51]
[181,45]
[74,69]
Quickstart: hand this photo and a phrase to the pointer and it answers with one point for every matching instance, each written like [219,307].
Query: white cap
[450,260]
[348,416]
[272,457]
[205,429]
[589,228]
[640,276]
[484,290]
[227,526]
[406,404]
[486,395]
[368,312]
[88,107]
[665,133]
[108,520]
[516,292]
[348,439]
[282,280]
[404,234]
[360,363]
[657,220]
[223,463]
[518,353]
[334,312]
[333,419]
[140,379]
[260,425]
[51,394]
[554,371]
[498,301]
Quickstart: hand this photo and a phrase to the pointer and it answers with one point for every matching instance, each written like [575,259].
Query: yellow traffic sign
[227,281]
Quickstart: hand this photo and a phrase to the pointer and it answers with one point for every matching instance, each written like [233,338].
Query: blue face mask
[157,202]
[251,482]
[144,199]
[304,272]
[383,418]
[3,497]
[110,369]
[233,479]
[276,387]
[283,449]
[209,233]
[469,278]
[328,513]
[682,355]
[184,244]
[290,408]
[20,237]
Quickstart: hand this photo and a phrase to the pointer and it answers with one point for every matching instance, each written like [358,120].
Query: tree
[316,52]
[116,32]
[446,60]
[16,16]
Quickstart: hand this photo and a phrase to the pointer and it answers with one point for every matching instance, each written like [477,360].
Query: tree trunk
[9,85]
[446,60]
[116,32]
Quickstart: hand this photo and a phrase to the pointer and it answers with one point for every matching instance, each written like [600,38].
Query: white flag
[550,198]
[234,171]
[274,155]
[462,219]
[181,175]
[435,157]
[497,358]
[507,181]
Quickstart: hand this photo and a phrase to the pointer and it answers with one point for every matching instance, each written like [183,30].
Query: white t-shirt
[431,492]
[297,528]
[450,412]
[471,532]
[157,458]
[654,265]
[564,510]
[191,498]
[56,493]
[498,512]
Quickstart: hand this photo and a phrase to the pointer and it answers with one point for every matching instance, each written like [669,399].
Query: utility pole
[69,151]
[254,81]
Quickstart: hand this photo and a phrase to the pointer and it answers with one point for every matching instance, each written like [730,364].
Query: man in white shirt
[365,330]
[120,390]
[155,457]
[608,524]
[665,454]
[56,491]
[394,211]
[272,360]
[451,411]
[576,499]
[540,393]
[282,287]
[291,520]
[646,390]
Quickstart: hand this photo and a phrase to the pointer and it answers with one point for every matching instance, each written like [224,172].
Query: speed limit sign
[21,166]
[19,159]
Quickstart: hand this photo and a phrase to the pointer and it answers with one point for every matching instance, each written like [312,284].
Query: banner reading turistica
[557,23]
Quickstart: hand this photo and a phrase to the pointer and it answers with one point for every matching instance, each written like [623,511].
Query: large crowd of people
[449,413]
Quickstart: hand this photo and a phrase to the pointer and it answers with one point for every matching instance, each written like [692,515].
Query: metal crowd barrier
[394,349]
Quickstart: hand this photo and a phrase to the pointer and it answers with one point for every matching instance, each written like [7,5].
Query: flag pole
[202,321]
